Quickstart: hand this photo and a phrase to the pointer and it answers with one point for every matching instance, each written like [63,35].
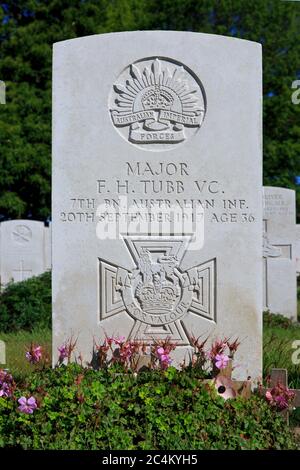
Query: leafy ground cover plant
[158,407]
[72,407]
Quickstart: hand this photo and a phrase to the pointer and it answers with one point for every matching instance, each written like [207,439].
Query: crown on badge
[152,299]
[157,99]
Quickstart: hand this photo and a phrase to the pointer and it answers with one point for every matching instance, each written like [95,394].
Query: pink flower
[126,350]
[119,340]
[209,355]
[281,402]
[6,384]
[27,406]
[5,390]
[37,352]
[166,361]
[269,396]
[280,397]
[63,352]
[163,357]
[224,387]
[34,354]
[221,361]
[109,341]
[66,349]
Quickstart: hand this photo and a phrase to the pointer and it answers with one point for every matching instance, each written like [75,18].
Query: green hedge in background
[26,305]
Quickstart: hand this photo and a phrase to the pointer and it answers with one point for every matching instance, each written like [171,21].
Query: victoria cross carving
[157,101]
[157,294]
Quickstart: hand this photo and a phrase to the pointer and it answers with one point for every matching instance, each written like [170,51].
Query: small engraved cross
[21,274]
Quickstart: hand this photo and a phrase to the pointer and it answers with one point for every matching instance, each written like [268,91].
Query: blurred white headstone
[279,232]
[24,250]
[2,92]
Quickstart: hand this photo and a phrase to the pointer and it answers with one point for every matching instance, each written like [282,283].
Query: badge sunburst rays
[154,77]
[157,101]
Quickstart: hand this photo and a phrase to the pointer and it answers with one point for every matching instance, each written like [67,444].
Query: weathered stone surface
[149,129]
[279,233]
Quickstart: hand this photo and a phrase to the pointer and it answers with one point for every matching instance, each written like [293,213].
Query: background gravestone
[2,352]
[48,247]
[22,250]
[297,249]
[157,119]
[2,92]
[279,232]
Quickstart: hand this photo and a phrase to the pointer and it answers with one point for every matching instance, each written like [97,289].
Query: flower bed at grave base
[158,407]
[71,407]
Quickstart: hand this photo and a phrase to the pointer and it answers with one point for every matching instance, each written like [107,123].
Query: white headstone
[2,92]
[48,247]
[2,352]
[152,128]
[279,259]
[22,250]
[297,249]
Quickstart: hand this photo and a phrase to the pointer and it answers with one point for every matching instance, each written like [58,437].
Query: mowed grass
[278,352]
[18,343]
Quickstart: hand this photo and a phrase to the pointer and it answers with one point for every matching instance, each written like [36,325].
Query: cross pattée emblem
[157,294]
